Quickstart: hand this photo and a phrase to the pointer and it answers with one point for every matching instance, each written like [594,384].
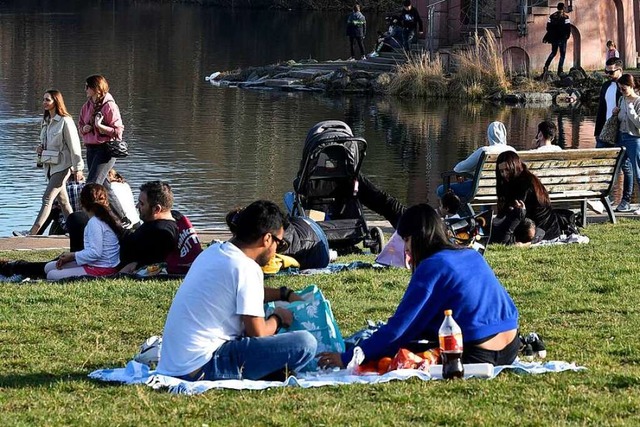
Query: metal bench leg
[607,206]
[583,209]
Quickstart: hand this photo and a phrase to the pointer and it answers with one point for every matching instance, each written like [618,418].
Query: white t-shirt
[125,197]
[222,285]
[547,148]
[610,98]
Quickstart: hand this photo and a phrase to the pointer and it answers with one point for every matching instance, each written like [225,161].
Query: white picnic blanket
[137,373]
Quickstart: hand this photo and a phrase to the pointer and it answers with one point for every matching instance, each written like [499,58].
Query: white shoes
[149,351]
[21,233]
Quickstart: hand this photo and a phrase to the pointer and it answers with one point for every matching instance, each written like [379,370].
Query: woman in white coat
[60,155]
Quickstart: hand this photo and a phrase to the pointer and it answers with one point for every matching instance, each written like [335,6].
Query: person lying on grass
[216,326]
[444,277]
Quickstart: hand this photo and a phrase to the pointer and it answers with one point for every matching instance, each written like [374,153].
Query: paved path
[62,242]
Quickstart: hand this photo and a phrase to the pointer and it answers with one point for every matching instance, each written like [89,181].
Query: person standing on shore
[356,30]
[629,116]
[558,32]
[612,50]
[59,137]
[410,21]
[100,122]
[609,97]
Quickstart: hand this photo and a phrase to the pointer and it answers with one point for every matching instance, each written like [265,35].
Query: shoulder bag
[609,132]
[117,149]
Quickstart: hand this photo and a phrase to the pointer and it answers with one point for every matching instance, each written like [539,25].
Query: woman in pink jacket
[99,122]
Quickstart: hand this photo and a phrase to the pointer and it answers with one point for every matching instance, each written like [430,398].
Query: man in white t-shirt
[216,326]
[546,137]
[609,97]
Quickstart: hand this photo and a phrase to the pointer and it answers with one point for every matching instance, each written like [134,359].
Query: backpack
[307,243]
[188,246]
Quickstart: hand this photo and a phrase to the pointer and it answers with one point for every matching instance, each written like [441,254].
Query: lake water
[220,148]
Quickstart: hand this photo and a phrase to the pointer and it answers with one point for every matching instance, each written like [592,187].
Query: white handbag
[50,157]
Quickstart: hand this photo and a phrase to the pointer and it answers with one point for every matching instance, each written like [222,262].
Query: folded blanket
[137,373]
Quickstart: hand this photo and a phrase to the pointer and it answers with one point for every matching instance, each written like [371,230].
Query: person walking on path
[356,30]
[216,327]
[60,136]
[609,98]
[629,117]
[558,32]
[410,21]
[100,122]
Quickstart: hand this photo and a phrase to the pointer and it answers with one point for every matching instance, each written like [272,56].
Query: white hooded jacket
[497,138]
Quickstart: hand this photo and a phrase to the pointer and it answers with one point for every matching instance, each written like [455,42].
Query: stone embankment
[373,76]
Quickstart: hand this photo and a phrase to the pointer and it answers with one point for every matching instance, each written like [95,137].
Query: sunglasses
[281,244]
[611,72]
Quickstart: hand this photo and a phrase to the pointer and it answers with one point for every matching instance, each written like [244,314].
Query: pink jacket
[112,119]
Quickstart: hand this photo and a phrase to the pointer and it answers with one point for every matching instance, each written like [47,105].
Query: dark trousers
[100,163]
[360,45]
[506,356]
[562,45]
[76,222]
[379,201]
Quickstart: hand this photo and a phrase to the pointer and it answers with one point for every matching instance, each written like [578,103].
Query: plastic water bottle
[450,336]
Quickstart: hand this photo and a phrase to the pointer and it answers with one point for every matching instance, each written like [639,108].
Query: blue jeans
[632,159]
[259,358]
[100,163]
[562,45]
[627,174]
[407,38]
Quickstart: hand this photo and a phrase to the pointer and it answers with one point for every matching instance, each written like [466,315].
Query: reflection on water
[220,148]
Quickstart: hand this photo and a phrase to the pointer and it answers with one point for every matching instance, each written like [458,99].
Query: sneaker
[21,233]
[624,206]
[636,212]
[351,59]
[537,345]
[364,57]
[374,54]
[149,353]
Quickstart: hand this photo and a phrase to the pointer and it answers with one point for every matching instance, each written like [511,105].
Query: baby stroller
[327,182]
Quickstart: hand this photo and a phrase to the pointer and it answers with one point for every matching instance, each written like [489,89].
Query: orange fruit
[383,365]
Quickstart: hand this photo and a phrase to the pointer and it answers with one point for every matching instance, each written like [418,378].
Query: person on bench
[496,143]
[546,137]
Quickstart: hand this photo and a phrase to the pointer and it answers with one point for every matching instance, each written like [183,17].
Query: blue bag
[315,316]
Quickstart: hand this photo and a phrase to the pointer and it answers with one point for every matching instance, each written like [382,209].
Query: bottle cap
[448,312]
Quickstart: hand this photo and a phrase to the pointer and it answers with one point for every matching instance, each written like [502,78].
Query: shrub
[420,76]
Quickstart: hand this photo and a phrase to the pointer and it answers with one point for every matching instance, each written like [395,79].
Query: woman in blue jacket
[444,277]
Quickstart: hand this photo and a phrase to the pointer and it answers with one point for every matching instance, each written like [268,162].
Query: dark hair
[520,181]
[427,231]
[259,218]
[94,198]
[58,101]
[548,129]
[406,3]
[560,6]
[525,231]
[627,80]
[158,193]
[450,201]
[614,61]
[114,176]
[356,7]
[99,85]
[611,43]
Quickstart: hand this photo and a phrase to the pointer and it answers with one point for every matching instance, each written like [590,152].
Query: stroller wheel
[378,240]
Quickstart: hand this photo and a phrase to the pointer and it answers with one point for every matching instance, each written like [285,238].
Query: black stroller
[327,182]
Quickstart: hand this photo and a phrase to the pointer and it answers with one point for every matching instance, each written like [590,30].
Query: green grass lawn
[582,299]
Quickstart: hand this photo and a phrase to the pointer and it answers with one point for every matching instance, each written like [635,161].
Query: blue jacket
[460,280]
[356,25]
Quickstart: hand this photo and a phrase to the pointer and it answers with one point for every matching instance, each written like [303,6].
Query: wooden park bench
[570,177]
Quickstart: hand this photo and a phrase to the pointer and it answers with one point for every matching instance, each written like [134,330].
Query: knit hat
[496,133]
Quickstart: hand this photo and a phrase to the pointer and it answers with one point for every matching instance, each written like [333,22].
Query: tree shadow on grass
[36,379]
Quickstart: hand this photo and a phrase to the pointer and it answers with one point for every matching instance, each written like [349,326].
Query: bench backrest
[567,175]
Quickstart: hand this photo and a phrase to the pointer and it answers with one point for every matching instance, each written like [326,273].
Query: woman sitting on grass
[101,253]
[517,187]
[444,277]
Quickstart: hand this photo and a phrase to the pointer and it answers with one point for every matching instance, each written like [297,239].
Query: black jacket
[410,19]
[558,27]
[601,117]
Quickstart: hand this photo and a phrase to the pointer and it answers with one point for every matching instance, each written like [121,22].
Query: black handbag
[117,149]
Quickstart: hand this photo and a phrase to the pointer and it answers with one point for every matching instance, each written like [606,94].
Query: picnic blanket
[334,267]
[137,373]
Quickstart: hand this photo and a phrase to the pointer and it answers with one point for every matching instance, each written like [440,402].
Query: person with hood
[356,30]
[496,144]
